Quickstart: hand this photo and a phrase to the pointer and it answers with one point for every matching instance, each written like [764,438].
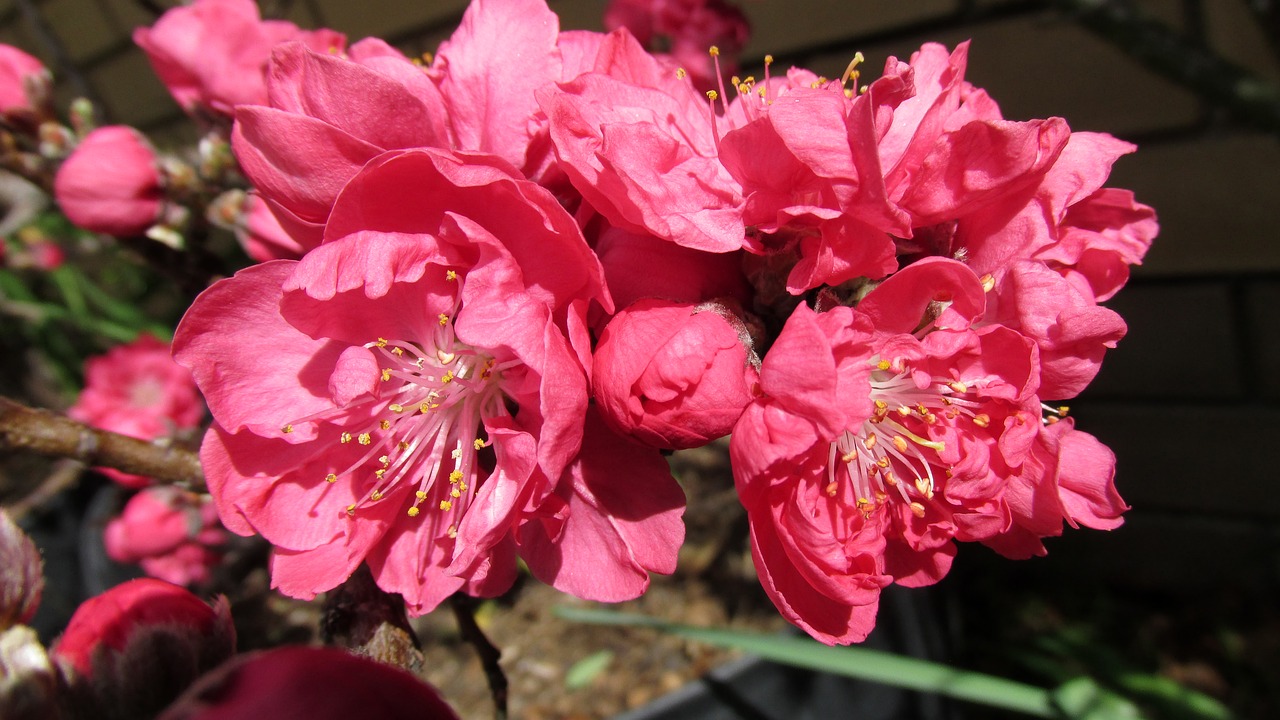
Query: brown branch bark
[47,433]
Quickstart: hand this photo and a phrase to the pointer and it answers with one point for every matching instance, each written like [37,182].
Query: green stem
[873,665]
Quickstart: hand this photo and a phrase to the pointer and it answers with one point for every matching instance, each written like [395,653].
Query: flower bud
[169,532]
[111,183]
[673,375]
[131,650]
[309,682]
[28,682]
[22,581]
[24,82]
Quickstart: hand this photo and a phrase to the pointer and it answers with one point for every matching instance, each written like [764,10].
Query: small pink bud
[24,81]
[137,646]
[315,683]
[111,183]
[673,375]
[169,532]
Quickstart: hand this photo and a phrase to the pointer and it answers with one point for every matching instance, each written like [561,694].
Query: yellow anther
[351,509]
[930,418]
[403,445]
[988,283]
[478,443]
[455,453]
[447,378]
[386,374]
[396,408]
[384,424]
[425,406]
[364,438]
[768,60]
[377,495]
[681,74]
[917,509]
[344,438]
[982,420]
[331,478]
[890,479]
[882,462]
[735,80]
[286,429]
[714,51]
[413,512]
[884,365]
[1051,419]
[385,460]
[949,472]
[1063,410]
[397,351]
[923,487]
[450,275]
[455,476]
[443,319]
[446,505]
[455,492]
[904,411]
[427,58]
[379,473]
[712,95]
[381,342]
[421,494]
[462,487]
[831,489]
[869,441]
[452,532]
[900,443]
[849,456]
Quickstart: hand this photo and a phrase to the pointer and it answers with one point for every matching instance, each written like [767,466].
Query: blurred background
[1190,401]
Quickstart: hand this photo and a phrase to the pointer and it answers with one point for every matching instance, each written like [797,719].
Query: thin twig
[46,433]
[489,654]
[65,474]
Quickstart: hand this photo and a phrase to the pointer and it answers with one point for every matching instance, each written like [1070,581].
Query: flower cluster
[499,282]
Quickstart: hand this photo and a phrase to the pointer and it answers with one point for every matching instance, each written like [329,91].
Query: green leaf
[1084,699]
[586,670]
[862,663]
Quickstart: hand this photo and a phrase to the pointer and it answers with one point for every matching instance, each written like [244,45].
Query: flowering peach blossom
[412,393]
[212,54]
[886,431]
[111,183]
[674,375]
[686,29]
[138,390]
[171,533]
[338,113]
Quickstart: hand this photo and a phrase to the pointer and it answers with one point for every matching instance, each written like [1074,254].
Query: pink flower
[24,80]
[111,183]
[412,392]
[169,532]
[640,144]
[130,651]
[640,266]
[884,432]
[212,54]
[674,375]
[1069,476]
[687,29]
[261,235]
[318,683]
[139,391]
[322,118]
